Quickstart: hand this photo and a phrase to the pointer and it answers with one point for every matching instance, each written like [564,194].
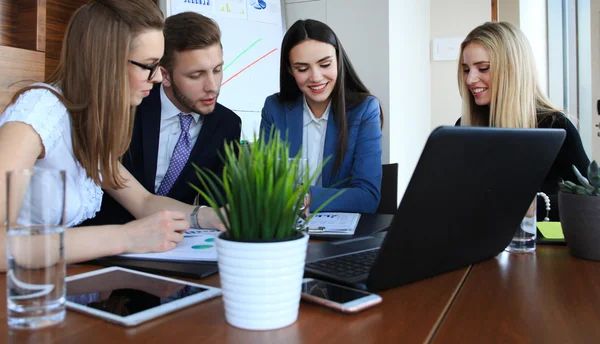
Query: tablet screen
[123,293]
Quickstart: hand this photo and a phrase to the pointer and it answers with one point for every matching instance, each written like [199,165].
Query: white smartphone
[338,297]
[129,297]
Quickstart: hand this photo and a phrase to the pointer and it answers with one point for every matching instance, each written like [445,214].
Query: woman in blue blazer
[326,111]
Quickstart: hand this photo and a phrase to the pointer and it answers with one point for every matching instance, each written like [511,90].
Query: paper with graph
[332,223]
[197,245]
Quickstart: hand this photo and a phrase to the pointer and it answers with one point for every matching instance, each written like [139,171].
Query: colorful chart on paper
[197,245]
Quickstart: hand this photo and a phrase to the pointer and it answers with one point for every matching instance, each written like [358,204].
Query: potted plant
[261,255]
[579,210]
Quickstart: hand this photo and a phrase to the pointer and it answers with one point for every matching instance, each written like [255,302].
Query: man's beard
[186,103]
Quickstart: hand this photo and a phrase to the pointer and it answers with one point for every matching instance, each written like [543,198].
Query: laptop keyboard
[351,265]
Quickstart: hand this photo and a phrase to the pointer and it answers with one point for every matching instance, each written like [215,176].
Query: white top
[47,115]
[313,140]
[170,129]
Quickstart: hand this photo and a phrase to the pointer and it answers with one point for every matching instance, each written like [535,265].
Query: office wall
[58,14]
[31,34]
[365,36]
[533,14]
[22,46]
[454,18]
[589,17]
[313,9]
[531,17]
[508,10]
[410,84]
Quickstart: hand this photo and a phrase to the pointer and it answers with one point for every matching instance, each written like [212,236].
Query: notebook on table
[331,224]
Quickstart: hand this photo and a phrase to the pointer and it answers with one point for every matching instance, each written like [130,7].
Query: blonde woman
[499,87]
[81,121]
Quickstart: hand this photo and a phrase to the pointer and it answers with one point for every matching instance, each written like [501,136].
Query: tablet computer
[129,297]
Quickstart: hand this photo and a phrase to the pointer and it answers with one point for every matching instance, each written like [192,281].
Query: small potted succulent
[579,210]
[261,255]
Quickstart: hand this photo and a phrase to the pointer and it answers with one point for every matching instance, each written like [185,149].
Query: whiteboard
[251,34]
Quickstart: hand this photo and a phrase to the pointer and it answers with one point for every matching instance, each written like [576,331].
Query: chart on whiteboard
[252,31]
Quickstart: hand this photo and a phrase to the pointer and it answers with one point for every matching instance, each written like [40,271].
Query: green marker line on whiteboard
[242,53]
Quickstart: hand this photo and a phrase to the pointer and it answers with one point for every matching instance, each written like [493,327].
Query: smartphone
[338,297]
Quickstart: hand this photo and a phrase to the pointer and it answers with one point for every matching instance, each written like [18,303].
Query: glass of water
[35,277]
[302,177]
[524,239]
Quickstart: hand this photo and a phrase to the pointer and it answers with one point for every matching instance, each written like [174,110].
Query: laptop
[464,202]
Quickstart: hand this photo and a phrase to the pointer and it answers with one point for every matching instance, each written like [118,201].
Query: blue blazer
[361,167]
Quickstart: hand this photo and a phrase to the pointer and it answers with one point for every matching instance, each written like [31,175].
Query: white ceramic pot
[261,282]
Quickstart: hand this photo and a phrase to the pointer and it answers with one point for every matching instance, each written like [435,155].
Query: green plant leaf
[260,187]
[583,180]
[593,174]
[565,188]
[578,189]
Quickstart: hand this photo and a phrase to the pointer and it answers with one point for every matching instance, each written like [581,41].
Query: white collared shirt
[170,129]
[313,139]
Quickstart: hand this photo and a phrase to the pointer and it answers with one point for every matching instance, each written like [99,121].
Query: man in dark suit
[180,121]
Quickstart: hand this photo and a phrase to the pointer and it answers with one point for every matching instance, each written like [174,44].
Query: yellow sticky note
[551,230]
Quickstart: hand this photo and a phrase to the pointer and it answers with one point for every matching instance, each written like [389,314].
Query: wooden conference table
[544,297]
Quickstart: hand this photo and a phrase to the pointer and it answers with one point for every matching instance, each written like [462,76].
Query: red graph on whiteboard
[248,66]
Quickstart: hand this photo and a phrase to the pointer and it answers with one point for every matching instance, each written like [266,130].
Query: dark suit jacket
[221,126]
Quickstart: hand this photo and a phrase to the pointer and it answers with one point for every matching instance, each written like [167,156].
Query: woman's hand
[306,204]
[208,218]
[531,210]
[158,232]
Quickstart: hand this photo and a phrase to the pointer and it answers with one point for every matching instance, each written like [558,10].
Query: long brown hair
[92,76]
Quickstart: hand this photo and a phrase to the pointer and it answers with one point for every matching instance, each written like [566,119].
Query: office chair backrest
[389,190]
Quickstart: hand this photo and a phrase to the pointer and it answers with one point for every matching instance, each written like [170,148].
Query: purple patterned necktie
[180,156]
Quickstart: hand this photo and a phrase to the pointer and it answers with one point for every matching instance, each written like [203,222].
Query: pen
[315,230]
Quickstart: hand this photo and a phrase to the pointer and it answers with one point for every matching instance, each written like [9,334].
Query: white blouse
[47,115]
[313,140]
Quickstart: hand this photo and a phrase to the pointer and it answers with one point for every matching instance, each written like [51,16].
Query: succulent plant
[590,186]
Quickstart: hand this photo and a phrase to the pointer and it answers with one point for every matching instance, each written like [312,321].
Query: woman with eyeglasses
[80,120]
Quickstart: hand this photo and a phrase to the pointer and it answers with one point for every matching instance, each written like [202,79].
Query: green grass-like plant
[262,189]
[590,186]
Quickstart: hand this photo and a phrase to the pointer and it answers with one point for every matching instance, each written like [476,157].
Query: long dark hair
[348,92]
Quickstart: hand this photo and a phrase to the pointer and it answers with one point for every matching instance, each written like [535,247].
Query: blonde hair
[92,74]
[517,100]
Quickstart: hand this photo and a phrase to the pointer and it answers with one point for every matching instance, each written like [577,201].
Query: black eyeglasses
[153,68]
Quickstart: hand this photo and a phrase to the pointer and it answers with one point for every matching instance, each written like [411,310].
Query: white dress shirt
[313,139]
[170,129]
[47,115]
